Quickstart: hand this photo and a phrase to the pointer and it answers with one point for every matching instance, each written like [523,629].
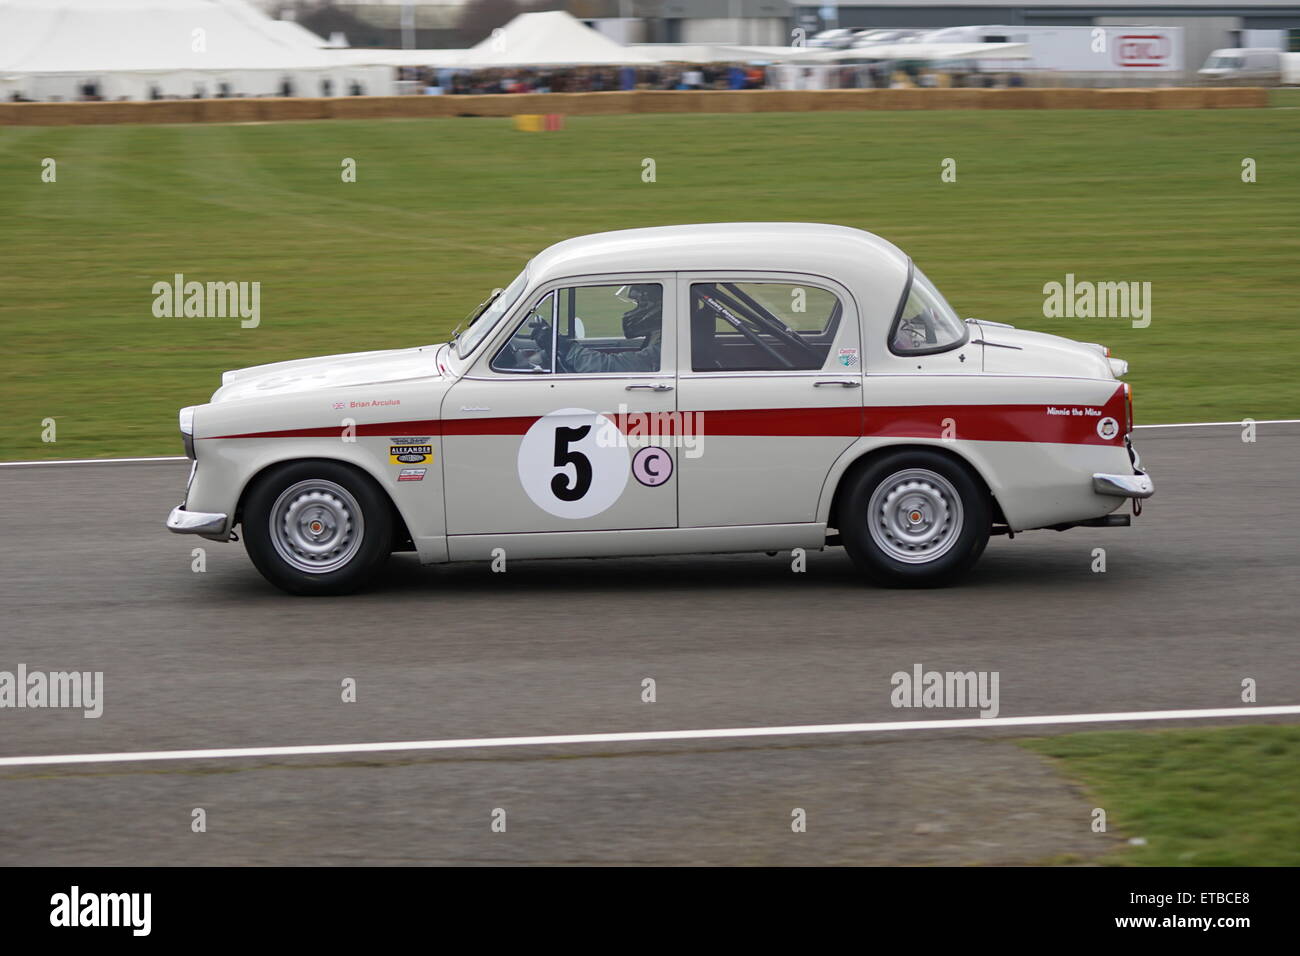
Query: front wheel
[317,527]
[914,519]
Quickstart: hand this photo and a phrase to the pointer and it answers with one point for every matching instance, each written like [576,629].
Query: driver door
[530,445]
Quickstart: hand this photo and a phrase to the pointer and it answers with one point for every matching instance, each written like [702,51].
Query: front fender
[236,441]
[226,468]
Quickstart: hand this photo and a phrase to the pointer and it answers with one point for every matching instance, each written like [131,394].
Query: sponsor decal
[411,474]
[847,357]
[410,454]
[1108,428]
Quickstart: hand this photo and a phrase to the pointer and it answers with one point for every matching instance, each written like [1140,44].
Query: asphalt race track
[1198,595]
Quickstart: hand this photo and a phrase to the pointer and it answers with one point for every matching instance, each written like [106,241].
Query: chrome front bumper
[1124,486]
[204,523]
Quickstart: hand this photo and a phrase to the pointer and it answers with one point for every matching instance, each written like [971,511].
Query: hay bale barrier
[275,110]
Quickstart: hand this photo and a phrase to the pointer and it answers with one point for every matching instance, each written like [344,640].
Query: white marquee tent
[295,34]
[136,49]
[553,38]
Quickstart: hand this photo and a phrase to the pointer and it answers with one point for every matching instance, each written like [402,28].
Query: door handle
[843,383]
[650,388]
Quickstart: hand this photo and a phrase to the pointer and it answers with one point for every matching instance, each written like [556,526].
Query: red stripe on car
[1063,423]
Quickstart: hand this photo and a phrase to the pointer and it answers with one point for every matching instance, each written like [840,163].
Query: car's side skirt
[646,541]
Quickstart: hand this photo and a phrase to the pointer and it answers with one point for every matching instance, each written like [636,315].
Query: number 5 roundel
[573,463]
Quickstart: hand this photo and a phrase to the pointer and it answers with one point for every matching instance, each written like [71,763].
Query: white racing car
[700,388]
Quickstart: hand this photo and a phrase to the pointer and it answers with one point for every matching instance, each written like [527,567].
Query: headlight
[187,430]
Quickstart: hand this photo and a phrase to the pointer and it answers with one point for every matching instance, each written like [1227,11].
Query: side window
[529,349]
[761,326]
[610,328]
[592,329]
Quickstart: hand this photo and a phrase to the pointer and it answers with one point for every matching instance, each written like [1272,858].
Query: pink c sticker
[652,466]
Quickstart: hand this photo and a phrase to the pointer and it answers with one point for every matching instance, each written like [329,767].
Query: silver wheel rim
[316,526]
[915,516]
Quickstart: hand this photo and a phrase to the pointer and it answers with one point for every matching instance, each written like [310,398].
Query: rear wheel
[914,519]
[317,527]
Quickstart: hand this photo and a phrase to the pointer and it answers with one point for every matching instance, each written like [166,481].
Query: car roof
[851,256]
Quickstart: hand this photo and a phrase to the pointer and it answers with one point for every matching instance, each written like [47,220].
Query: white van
[1248,67]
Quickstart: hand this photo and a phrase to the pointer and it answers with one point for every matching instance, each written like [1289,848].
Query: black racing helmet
[646,315]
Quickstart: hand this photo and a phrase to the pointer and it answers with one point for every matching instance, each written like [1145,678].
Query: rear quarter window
[761,326]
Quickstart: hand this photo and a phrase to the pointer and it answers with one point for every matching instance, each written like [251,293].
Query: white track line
[1263,421]
[640,737]
[118,461]
[87,461]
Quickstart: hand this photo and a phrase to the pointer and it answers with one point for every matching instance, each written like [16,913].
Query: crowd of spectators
[588,79]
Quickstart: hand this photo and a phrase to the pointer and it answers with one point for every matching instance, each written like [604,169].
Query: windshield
[486,316]
[1223,63]
[927,322]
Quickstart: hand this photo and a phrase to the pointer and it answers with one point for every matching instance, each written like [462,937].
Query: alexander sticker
[1107,428]
[411,474]
[410,454]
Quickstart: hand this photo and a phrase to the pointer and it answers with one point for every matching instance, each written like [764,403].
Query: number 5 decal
[560,486]
[573,463]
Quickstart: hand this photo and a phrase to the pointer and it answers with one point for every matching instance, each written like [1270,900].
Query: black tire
[904,472]
[315,483]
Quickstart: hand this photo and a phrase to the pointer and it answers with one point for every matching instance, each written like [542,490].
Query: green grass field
[444,210]
[1218,797]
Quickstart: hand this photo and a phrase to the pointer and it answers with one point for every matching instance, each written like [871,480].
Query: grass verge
[1212,797]
[444,210]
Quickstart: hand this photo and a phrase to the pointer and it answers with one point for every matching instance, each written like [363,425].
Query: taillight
[1128,407]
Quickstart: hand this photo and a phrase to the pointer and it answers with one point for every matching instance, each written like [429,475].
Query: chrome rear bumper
[1124,486]
[207,524]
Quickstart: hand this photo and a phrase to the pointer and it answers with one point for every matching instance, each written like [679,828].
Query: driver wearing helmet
[643,320]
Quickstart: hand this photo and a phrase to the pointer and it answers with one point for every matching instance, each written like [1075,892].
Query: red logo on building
[1138,50]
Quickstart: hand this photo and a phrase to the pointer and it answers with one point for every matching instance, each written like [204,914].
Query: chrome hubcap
[316,526]
[915,516]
